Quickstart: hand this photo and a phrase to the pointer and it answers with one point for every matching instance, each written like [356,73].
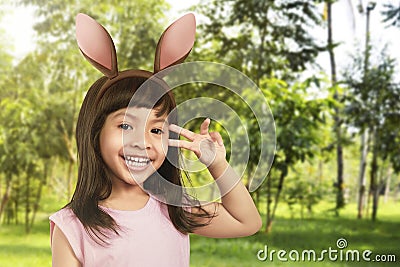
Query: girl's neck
[126,197]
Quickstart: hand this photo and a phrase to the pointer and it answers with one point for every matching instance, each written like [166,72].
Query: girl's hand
[208,146]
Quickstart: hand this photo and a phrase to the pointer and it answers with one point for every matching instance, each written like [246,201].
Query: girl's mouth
[136,163]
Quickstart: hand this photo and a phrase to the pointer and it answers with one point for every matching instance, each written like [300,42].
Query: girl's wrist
[217,168]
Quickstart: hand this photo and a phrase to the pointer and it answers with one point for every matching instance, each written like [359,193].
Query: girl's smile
[136,163]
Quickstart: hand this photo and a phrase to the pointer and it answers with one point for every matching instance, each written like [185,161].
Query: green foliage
[373,104]
[305,194]
[298,122]
[30,136]
[391,14]
[135,27]
[260,38]
[297,119]
[5,57]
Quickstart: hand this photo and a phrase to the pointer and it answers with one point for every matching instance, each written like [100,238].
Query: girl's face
[134,144]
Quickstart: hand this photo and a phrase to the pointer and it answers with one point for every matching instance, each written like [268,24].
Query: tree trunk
[268,227]
[17,199]
[387,184]
[374,192]
[269,201]
[278,194]
[375,202]
[39,193]
[6,196]
[27,201]
[271,214]
[362,181]
[338,131]
[71,157]
[396,192]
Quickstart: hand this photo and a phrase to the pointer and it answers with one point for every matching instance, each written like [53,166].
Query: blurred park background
[329,73]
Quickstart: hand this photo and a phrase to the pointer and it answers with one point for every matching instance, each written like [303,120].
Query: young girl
[125,147]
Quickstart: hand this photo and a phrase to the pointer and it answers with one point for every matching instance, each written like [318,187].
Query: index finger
[182,131]
[204,126]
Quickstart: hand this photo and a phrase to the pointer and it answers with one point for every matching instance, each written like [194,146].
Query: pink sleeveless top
[147,238]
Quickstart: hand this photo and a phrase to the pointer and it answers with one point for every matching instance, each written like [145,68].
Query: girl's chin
[138,178]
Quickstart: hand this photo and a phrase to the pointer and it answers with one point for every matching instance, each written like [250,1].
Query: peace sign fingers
[208,146]
[182,131]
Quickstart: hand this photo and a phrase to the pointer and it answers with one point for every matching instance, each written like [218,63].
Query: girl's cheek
[164,141]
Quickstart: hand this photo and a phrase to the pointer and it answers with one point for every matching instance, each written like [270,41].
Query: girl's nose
[136,139]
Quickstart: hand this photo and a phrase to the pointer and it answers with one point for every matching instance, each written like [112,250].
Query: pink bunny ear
[175,43]
[96,45]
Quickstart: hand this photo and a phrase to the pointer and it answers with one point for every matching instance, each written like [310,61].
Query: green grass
[19,250]
[318,232]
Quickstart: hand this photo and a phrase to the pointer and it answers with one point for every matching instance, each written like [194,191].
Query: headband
[98,48]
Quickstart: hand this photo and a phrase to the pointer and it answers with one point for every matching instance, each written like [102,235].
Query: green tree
[373,105]
[298,121]
[338,121]
[260,38]
[391,13]
[5,57]
[5,67]
[134,26]
[32,136]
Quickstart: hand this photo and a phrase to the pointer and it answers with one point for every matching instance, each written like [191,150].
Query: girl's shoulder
[66,220]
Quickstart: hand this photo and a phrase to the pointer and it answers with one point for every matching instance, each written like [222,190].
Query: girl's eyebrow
[123,114]
[133,117]
[118,114]
[161,120]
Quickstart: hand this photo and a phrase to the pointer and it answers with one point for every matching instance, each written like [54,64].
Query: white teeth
[136,161]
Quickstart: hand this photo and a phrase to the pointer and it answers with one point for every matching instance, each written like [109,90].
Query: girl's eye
[157,131]
[125,126]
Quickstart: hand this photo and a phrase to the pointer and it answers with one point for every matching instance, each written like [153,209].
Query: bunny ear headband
[98,47]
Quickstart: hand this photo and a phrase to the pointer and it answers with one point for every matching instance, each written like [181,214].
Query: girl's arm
[237,215]
[61,250]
